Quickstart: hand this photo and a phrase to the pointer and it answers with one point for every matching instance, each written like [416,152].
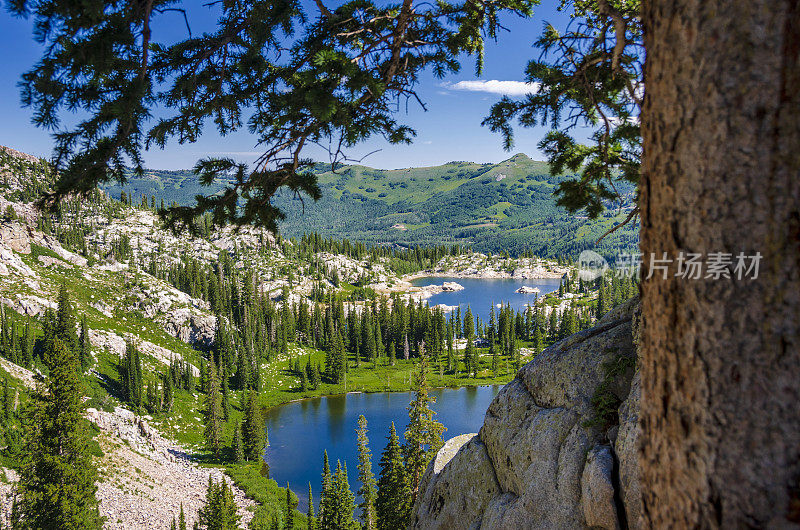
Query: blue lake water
[481,293]
[299,432]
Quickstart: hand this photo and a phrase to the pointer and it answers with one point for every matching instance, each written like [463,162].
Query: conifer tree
[65,320]
[242,370]
[153,398]
[219,510]
[366,477]
[326,497]
[28,344]
[132,383]
[424,434]
[289,509]
[57,477]
[303,381]
[470,354]
[538,341]
[311,521]
[225,393]
[213,413]
[253,432]
[238,447]
[7,400]
[380,350]
[335,361]
[343,501]
[553,326]
[495,364]
[84,346]
[392,504]
[168,396]
[204,376]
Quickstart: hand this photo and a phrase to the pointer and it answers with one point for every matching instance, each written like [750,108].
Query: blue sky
[449,130]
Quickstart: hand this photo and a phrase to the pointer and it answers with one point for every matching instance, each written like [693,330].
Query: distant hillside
[494,207]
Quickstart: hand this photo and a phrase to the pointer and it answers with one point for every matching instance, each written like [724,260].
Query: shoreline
[489,274]
[384,391]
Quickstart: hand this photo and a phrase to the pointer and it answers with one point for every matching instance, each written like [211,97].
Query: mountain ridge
[509,206]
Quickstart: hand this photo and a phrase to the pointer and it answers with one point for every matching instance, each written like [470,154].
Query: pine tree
[366,477]
[65,320]
[169,397]
[57,477]
[393,501]
[424,434]
[538,341]
[204,376]
[343,501]
[380,350]
[29,344]
[219,510]
[303,381]
[84,346]
[335,360]
[601,300]
[7,400]
[213,413]
[553,326]
[470,354]
[153,401]
[495,362]
[226,404]
[253,432]
[182,519]
[326,497]
[132,384]
[310,520]
[238,447]
[289,509]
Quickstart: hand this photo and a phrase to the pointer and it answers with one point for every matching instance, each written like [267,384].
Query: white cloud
[617,121]
[493,86]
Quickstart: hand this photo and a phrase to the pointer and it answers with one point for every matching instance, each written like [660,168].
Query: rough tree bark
[721,359]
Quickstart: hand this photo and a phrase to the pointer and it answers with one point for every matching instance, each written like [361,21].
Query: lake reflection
[299,432]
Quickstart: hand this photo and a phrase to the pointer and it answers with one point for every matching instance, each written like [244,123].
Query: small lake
[481,293]
[299,432]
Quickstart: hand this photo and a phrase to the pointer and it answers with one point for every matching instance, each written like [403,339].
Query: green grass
[37,250]
[266,492]
[280,385]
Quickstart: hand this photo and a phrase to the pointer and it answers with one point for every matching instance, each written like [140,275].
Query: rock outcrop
[15,236]
[544,458]
[449,287]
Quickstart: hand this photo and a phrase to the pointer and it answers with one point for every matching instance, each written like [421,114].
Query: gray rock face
[462,461]
[626,449]
[597,489]
[551,468]
[15,236]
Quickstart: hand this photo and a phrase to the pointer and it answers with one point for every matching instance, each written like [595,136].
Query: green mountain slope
[493,207]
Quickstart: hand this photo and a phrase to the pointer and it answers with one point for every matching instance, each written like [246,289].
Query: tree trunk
[721,358]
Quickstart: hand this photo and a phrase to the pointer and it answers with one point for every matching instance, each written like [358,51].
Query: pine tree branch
[631,215]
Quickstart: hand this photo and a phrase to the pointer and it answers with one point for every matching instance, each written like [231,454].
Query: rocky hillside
[558,445]
[131,282]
